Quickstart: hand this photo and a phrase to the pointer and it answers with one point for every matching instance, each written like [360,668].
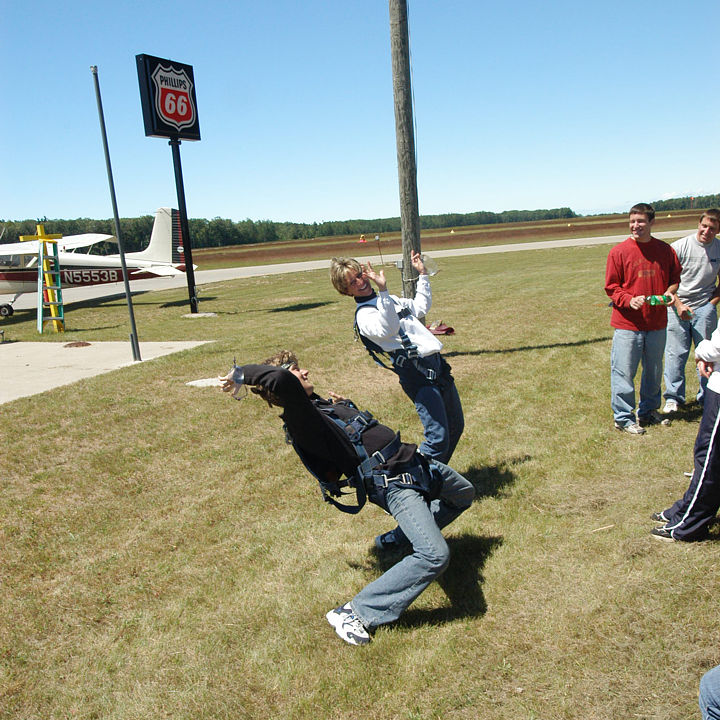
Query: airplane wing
[71,242]
[19,248]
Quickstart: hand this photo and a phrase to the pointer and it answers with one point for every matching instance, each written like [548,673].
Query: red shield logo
[173,97]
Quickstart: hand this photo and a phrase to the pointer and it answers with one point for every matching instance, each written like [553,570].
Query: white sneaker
[671,406]
[348,625]
[632,428]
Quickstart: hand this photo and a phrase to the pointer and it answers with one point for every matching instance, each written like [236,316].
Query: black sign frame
[167,94]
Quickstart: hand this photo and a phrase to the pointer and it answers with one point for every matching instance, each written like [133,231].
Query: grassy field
[165,555]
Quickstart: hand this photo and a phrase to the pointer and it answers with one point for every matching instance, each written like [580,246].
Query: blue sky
[518,105]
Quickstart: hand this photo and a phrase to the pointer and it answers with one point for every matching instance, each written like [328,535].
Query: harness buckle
[402,479]
[431,374]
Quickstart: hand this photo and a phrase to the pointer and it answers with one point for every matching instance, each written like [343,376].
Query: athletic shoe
[653,418]
[659,517]
[662,533]
[632,428]
[348,626]
[671,406]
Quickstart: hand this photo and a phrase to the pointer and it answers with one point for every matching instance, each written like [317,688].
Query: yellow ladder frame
[48,280]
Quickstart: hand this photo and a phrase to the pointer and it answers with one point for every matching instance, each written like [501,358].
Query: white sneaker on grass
[348,625]
[671,406]
[632,428]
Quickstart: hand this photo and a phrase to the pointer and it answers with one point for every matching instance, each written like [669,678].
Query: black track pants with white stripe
[690,516]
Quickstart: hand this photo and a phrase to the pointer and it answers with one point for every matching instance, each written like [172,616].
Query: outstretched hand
[233,383]
[377,277]
[418,264]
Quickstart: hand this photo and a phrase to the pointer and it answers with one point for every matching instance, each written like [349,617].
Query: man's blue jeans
[385,599]
[629,348]
[438,407]
[710,694]
[681,334]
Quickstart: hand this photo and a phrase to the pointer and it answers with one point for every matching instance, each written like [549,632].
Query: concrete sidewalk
[29,368]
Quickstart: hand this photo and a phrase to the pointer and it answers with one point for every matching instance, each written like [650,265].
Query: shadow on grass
[183,302]
[691,413]
[490,480]
[70,328]
[19,316]
[525,348]
[300,306]
[461,582]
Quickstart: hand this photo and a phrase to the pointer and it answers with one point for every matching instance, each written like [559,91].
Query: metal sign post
[133,330]
[167,93]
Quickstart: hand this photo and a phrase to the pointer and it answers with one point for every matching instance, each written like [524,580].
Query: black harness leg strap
[362,478]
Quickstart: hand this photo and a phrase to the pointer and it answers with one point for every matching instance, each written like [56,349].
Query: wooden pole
[405,139]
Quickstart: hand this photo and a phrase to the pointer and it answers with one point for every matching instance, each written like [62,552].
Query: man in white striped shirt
[690,517]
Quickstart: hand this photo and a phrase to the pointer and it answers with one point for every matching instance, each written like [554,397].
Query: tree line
[220,232]
[688,203]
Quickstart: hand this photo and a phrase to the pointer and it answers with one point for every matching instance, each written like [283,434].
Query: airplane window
[11,260]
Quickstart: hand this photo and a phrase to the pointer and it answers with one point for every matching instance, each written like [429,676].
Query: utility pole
[405,139]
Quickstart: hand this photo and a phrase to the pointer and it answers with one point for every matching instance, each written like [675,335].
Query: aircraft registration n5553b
[163,256]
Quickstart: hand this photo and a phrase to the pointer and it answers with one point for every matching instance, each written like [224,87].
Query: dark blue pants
[690,516]
[437,404]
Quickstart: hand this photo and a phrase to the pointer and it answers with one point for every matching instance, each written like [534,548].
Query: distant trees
[687,203]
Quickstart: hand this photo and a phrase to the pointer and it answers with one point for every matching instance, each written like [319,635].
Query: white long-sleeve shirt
[709,351]
[378,320]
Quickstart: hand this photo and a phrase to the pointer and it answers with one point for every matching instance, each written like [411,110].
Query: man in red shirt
[637,268]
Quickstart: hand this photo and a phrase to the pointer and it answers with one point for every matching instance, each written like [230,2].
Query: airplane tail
[165,240]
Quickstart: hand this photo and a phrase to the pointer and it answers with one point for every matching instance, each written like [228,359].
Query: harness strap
[379,457]
[354,428]
[400,357]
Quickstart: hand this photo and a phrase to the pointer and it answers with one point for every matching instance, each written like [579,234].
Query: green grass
[163,554]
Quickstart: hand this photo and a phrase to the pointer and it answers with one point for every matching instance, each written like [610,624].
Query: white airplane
[163,256]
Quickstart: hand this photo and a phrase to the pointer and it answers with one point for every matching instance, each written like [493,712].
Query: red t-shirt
[635,268]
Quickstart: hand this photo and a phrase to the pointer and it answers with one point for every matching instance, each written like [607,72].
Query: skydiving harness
[366,481]
[408,354]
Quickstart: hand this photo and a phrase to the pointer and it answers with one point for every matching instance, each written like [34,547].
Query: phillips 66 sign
[167,92]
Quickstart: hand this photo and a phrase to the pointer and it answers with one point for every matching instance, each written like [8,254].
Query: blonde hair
[340,267]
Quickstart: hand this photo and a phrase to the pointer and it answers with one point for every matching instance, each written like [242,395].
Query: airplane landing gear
[6,310]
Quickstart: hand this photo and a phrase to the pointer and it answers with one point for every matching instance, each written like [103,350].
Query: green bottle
[658,299]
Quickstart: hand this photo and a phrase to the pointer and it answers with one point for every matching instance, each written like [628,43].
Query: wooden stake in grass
[377,240]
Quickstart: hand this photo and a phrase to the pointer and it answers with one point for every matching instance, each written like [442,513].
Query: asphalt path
[33,367]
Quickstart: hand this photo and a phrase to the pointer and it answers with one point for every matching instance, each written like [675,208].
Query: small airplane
[163,256]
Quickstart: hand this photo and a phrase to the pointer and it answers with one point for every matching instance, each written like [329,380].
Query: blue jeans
[438,407]
[386,598]
[629,347]
[681,334]
[710,694]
